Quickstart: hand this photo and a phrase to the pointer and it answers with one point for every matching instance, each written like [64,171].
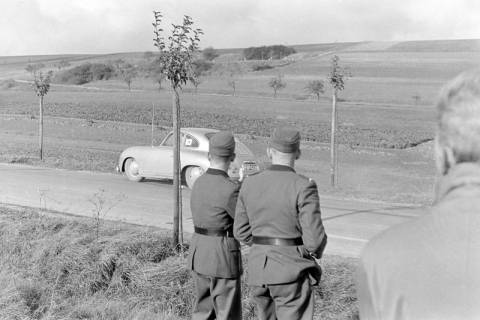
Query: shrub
[8,83]
[209,53]
[201,66]
[85,73]
[261,67]
[270,52]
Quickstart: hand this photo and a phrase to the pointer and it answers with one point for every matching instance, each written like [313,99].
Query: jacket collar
[217,172]
[279,167]
[459,176]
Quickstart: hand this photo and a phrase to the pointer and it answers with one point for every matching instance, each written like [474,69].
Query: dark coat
[429,267]
[283,204]
[212,203]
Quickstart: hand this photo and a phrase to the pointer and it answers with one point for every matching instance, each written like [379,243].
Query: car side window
[190,142]
[168,141]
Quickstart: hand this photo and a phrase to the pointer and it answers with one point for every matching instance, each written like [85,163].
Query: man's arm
[232,200]
[241,225]
[313,232]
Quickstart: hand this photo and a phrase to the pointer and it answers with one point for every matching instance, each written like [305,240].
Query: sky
[32,27]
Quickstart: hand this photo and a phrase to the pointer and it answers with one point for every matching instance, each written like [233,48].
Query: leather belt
[214,232]
[277,241]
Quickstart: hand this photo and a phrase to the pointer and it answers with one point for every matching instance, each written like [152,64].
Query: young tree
[277,84]
[337,77]
[34,68]
[176,56]
[127,73]
[62,64]
[199,67]
[315,87]
[41,85]
[416,98]
[233,71]
[209,54]
[196,81]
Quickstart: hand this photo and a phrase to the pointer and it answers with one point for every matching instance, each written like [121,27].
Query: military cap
[222,144]
[285,140]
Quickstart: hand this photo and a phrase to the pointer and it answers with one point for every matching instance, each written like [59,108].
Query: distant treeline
[85,73]
[267,52]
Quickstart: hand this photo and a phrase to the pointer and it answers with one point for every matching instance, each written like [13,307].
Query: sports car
[156,162]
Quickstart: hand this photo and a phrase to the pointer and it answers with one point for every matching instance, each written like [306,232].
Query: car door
[160,163]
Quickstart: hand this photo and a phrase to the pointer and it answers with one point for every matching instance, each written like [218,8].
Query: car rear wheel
[132,170]
[191,175]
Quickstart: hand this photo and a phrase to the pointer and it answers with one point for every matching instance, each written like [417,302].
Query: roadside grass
[54,267]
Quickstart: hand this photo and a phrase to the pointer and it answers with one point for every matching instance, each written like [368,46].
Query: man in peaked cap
[214,256]
[278,214]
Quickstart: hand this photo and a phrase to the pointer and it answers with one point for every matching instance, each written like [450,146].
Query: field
[382,128]
[386,124]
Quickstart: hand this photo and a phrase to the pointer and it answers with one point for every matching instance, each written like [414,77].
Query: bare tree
[277,84]
[336,78]
[315,87]
[41,85]
[176,56]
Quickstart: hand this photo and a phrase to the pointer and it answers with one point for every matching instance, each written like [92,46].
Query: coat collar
[217,172]
[461,175]
[279,167]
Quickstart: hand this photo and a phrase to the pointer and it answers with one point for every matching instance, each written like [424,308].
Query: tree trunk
[177,201]
[40,129]
[333,147]
[153,121]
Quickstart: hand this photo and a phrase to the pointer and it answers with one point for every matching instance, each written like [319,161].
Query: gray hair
[458,129]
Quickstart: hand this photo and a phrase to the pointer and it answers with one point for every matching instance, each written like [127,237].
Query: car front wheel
[132,170]
[191,175]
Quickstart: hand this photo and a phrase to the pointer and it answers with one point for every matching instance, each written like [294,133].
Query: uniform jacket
[282,204]
[428,268]
[212,203]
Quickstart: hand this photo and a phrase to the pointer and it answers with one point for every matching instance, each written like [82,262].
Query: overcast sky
[105,26]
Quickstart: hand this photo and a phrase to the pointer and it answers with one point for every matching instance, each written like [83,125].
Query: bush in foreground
[56,268]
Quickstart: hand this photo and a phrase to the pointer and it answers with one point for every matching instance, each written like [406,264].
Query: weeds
[102,205]
[57,269]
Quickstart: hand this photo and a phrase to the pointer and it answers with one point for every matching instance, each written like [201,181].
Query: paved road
[349,224]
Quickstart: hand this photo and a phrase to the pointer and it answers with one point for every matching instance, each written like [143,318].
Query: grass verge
[58,268]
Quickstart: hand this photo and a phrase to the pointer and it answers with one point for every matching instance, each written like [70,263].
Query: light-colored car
[156,162]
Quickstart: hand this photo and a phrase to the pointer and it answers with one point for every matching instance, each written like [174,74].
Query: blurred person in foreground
[429,268]
[215,257]
[278,214]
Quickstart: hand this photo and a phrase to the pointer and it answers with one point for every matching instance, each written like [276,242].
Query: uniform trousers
[217,298]
[288,301]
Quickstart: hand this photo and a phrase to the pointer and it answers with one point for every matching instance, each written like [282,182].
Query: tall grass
[57,268]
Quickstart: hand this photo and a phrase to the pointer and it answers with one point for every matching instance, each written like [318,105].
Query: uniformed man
[429,267]
[278,214]
[214,256]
